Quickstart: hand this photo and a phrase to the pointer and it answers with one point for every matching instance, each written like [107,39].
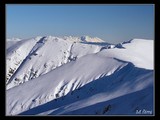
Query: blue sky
[113,23]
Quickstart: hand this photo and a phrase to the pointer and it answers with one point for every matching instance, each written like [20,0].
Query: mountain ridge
[68,77]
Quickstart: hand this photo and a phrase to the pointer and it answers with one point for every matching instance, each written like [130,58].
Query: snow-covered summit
[83,39]
[89,39]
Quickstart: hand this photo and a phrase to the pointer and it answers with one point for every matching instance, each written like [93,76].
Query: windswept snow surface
[80,76]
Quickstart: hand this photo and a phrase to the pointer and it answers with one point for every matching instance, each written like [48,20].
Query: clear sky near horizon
[110,22]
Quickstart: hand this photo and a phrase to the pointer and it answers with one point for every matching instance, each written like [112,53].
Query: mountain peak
[13,39]
[90,39]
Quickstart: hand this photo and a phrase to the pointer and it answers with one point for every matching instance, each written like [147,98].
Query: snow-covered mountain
[79,76]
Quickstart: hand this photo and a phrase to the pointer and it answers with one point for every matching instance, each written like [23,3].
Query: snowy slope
[11,43]
[49,53]
[16,53]
[91,79]
[138,51]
